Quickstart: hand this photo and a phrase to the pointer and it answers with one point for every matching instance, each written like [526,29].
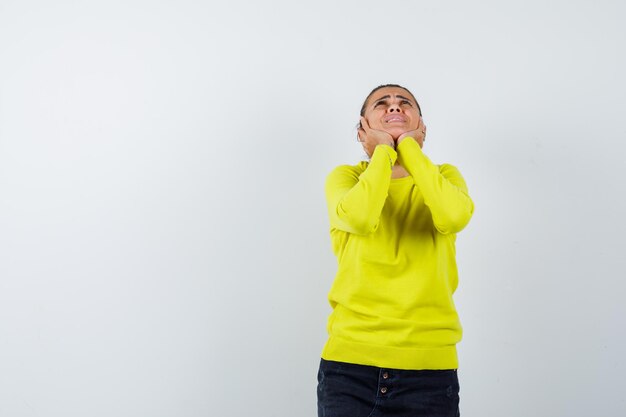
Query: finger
[361,134]
[364,125]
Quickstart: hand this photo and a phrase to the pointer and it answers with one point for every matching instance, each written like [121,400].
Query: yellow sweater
[395,245]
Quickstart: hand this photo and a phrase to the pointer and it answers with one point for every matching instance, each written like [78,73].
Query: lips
[396,118]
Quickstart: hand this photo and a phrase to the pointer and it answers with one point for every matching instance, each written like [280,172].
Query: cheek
[373,119]
[375,124]
[415,118]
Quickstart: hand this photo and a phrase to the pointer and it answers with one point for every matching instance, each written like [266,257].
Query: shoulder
[349,171]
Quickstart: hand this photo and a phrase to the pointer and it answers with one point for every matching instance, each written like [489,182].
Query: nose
[393,108]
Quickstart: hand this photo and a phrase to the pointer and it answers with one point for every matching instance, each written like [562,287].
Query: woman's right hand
[369,137]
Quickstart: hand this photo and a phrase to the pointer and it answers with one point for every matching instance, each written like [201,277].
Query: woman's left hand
[418,134]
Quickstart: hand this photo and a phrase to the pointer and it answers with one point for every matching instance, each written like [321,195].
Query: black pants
[350,390]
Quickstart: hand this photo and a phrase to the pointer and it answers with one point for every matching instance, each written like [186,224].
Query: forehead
[389,91]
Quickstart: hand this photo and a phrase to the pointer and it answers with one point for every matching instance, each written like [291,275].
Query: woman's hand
[418,134]
[369,137]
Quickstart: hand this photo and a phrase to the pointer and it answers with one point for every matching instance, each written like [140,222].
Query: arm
[355,203]
[444,190]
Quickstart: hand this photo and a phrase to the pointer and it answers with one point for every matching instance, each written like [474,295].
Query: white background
[164,246]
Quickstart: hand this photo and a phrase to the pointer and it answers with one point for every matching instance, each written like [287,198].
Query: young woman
[393,330]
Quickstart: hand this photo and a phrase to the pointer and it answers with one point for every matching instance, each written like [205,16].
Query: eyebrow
[388,96]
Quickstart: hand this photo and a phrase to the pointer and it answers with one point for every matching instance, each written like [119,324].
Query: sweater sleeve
[355,202]
[444,189]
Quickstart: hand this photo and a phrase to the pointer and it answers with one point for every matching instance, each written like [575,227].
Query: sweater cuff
[408,139]
[410,149]
[383,151]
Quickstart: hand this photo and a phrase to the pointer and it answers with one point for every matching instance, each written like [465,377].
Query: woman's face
[392,110]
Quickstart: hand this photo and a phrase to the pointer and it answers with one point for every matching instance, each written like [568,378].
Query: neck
[398,171]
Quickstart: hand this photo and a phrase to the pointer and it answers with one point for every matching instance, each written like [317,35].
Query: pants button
[385,375]
[383,390]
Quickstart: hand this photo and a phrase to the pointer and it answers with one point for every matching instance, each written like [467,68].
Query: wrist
[392,144]
[382,149]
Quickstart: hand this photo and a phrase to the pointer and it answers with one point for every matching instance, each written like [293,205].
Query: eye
[406,102]
[379,103]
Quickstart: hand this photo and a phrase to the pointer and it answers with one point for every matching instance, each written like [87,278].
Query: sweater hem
[413,358]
